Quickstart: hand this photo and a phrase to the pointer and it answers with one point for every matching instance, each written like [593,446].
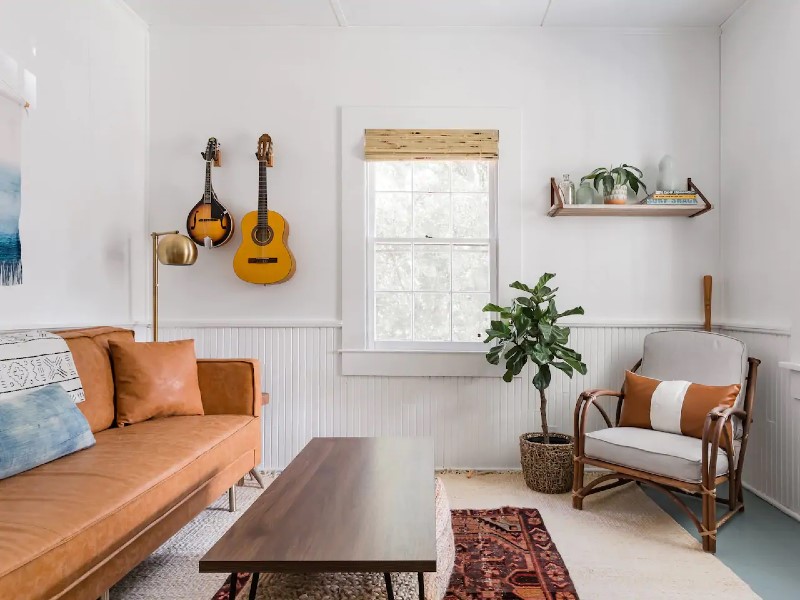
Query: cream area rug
[622,546]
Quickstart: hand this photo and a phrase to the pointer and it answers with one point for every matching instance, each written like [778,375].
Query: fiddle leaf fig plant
[527,331]
[621,175]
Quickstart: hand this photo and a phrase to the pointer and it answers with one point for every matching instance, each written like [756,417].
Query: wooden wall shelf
[559,209]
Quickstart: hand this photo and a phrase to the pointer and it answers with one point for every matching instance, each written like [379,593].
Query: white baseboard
[772,501]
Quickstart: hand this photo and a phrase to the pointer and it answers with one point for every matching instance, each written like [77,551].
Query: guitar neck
[263,211]
[208,193]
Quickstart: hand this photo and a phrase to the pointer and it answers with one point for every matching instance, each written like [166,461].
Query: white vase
[667,180]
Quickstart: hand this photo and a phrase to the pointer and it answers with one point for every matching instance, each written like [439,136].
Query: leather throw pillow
[155,379]
[672,406]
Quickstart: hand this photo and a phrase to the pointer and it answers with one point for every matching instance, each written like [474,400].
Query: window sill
[418,363]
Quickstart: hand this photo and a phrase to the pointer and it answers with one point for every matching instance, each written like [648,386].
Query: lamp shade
[175,249]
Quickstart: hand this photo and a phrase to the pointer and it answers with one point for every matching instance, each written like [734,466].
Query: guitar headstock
[211,150]
[264,149]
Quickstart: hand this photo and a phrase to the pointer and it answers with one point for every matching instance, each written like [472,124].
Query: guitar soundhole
[263,235]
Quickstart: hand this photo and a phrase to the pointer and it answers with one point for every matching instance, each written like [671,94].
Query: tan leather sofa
[72,528]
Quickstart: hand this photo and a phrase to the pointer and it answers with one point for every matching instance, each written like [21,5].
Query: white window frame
[359,356]
[491,241]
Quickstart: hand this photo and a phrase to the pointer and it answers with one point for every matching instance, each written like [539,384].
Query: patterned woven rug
[502,554]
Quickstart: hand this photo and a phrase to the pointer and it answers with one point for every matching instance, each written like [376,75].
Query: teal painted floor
[761,545]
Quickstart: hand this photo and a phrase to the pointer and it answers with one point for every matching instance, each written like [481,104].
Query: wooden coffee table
[342,505]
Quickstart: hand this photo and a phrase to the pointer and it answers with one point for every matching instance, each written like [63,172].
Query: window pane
[393,267]
[392,176]
[393,214]
[432,317]
[469,322]
[431,176]
[470,176]
[471,268]
[432,215]
[432,267]
[471,215]
[392,316]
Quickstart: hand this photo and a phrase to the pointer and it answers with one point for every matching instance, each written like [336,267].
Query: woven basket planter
[547,468]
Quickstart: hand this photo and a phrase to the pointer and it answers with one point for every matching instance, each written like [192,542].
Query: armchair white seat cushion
[668,454]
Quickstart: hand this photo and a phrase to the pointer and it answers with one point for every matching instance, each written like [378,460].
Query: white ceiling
[548,13]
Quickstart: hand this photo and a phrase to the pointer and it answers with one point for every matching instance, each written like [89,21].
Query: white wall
[587,97]
[760,155]
[83,161]
[760,216]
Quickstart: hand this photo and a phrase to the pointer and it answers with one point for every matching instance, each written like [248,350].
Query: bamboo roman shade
[431,144]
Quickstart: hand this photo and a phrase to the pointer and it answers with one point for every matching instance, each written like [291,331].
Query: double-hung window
[432,252]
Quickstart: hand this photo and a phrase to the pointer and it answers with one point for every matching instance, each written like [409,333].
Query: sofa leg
[257,476]
[232,498]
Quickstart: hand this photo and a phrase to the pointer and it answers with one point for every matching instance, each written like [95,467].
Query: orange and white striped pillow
[672,406]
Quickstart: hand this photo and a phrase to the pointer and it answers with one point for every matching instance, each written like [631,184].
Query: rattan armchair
[674,463]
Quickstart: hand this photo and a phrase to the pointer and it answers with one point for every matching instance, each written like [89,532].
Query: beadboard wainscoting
[772,469]
[475,421]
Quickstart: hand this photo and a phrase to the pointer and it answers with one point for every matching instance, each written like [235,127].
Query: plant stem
[543,411]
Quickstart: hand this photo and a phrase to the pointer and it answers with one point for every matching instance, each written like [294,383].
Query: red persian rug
[502,554]
[506,554]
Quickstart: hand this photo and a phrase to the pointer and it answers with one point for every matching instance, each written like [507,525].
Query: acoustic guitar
[209,224]
[264,256]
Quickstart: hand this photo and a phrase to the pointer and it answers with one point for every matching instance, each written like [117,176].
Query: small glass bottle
[585,193]
[567,190]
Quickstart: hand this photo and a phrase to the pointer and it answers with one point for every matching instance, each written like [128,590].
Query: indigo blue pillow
[39,426]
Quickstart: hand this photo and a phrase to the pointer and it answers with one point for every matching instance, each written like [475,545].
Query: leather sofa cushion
[90,351]
[668,454]
[155,379]
[62,518]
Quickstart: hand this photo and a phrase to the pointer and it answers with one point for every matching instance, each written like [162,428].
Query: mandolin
[209,224]
[263,256]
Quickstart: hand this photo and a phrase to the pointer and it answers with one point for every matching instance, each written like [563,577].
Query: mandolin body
[264,256]
[210,220]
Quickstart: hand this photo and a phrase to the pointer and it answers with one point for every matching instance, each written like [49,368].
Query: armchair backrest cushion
[697,356]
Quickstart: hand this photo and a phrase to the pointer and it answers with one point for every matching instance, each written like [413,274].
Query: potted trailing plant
[615,182]
[527,331]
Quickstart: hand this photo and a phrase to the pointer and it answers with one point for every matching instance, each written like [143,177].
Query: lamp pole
[156,235]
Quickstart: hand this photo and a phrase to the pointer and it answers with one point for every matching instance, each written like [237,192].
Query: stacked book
[671,198]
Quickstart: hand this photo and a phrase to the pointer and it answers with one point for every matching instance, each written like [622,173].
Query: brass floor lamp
[172,249]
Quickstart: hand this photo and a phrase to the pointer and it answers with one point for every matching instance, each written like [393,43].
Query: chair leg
[232,498]
[577,485]
[710,521]
[105,596]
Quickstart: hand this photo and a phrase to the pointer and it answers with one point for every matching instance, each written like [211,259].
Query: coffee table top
[342,505]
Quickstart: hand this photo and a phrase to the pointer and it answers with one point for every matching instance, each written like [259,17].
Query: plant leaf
[575,364]
[562,366]
[493,356]
[508,376]
[493,308]
[578,310]
[631,167]
[521,286]
[541,380]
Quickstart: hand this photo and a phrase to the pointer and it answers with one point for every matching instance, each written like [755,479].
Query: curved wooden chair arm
[586,400]
[715,429]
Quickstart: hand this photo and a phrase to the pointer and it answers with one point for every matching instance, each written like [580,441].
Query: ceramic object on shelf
[585,193]
[567,190]
[619,195]
[667,180]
